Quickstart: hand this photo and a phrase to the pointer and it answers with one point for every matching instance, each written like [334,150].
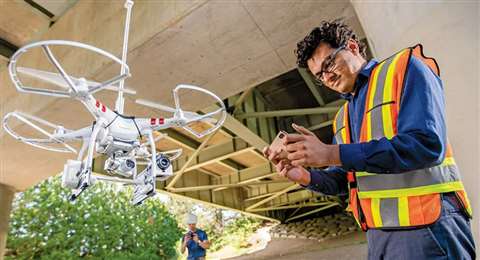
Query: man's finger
[293,138]
[296,156]
[266,151]
[272,156]
[302,130]
[299,162]
[291,148]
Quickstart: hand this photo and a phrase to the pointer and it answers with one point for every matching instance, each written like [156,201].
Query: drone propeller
[58,80]
[187,114]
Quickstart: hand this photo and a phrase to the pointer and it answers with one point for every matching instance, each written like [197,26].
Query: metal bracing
[214,186]
[179,196]
[240,130]
[291,206]
[333,204]
[311,85]
[275,195]
[290,112]
[179,173]
[321,125]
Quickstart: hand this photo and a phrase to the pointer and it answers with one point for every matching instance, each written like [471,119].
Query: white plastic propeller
[58,80]
[34,122]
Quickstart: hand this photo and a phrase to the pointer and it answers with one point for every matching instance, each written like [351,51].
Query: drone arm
[91,148]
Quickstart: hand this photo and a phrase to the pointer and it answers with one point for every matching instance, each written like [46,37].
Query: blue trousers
[448,238]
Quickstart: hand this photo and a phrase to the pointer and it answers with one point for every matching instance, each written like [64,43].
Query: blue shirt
[421,137]
[194,249]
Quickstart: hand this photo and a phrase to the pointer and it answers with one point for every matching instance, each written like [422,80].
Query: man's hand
[296,174]
[186,238]
[285,169]
[305,149]
[195,238]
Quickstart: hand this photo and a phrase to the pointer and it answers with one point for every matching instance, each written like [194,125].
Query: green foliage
[235,233]
[100,224]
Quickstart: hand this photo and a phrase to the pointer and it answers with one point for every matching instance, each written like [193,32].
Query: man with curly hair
[390,153]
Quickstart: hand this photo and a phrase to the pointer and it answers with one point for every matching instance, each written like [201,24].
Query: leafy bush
[100,224]
[235,233]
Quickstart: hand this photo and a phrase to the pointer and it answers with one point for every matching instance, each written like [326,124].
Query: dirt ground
[351,246]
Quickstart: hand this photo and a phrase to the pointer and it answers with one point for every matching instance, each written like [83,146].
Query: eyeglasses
[328,65]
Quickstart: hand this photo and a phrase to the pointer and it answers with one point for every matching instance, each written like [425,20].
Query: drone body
[118,137]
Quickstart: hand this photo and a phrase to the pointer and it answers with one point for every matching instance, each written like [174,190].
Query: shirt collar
[363,76]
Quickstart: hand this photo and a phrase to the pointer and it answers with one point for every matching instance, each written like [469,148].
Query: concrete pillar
[6,197]
[449,31]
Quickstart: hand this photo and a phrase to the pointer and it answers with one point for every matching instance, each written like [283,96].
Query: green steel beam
[290,112]
[321,125]
[290,206]
[311,85]
[313,211]
[211,187]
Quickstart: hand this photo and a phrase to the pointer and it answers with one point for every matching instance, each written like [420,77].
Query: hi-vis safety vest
[409,199]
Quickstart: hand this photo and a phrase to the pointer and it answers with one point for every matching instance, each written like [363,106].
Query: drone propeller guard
[34,122]
[71,81]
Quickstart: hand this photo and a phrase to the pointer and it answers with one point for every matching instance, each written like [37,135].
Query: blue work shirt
[194,249]
[421,137]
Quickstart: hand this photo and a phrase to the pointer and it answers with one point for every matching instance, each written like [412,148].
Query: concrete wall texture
[449,32]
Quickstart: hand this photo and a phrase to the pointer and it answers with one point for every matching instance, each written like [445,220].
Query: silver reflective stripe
[423,177]
[377,127]
[389,212]
[339,123]
[376,110]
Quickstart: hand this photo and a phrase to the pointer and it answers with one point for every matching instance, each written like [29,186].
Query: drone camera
[123,166]
[163,163]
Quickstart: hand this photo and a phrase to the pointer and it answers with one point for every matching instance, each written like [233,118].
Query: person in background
[195,240]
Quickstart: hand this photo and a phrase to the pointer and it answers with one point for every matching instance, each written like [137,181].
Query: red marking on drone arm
[161,120]
[97,104]
[152,121]
[104,108]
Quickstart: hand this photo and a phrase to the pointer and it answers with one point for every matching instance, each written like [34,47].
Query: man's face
[192,227]
[345,64]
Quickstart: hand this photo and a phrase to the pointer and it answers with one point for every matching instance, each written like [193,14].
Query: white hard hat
[191,219]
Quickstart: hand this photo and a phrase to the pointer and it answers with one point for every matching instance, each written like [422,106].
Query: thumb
[302,130]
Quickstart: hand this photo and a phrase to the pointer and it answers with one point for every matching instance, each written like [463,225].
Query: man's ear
[352,45]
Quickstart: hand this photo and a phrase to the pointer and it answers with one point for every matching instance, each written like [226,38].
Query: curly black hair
[336,33]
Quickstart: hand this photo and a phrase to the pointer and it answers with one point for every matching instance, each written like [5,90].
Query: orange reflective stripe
[388,95]
[367,211]
[402,64]
[415,211]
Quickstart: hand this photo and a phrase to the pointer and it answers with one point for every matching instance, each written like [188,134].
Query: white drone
[113,134]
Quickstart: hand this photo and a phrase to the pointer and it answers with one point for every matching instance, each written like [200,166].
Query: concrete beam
[20,23]
[6,197]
